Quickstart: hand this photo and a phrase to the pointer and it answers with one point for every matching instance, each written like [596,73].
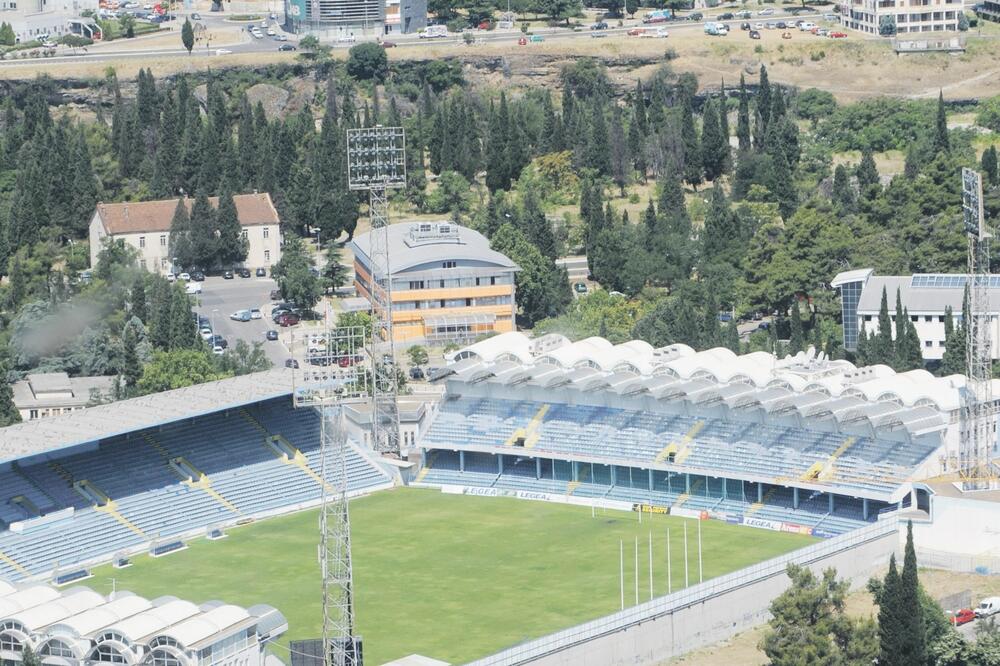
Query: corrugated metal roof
[471,246]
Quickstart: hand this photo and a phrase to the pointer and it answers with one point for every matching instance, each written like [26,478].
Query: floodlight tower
[977,439]
[376,162]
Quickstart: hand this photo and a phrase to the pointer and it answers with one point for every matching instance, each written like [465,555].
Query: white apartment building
[47,394]
[31,18]
[146,227]
[912,16]
[924,295]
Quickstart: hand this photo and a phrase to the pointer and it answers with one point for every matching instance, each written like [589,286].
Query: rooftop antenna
[977,435]
[376,162]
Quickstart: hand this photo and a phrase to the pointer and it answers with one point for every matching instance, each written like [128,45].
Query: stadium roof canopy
[148,411]
[807,383]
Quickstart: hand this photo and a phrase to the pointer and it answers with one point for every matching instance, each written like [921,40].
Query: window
[448,264]
[940,343]
[142,241]
[57,648]
[416,284]
[928,343]
[266,232]
[163,240]
[468,302]
[244,234]
[142,262]
[493,280]
[267,255]
[914,318]
[868,317]
[9,643]
[941,318]
[928,318]
[33,414]
[162,657]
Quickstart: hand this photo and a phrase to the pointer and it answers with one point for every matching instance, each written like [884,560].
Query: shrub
[368,61]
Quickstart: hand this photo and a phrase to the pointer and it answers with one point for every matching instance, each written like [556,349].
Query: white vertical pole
[621,571]
[591,510]
[685,554]
[701,576]
[637,571]
[651,565]
[670,575]
[640,515]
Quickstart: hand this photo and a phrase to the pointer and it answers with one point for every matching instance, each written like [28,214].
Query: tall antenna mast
[376,162]
[977,434]
[328,378]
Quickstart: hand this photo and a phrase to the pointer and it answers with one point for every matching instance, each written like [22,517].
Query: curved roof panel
[155,620]
[97,618]
[26,598]
[198,628]
[59,608]
[408,252]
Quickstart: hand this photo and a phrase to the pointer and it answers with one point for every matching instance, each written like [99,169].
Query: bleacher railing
[644,612]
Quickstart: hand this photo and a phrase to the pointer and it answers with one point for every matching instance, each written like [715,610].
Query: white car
[806,26]
[255,314]
[217,350]
[768,11]
[205,332]
[49,44]
[184,277]
[347,39]
[193,288]
[222,51]
[171,277]
[271,32]
[280,38]
[659,32]
[758,26]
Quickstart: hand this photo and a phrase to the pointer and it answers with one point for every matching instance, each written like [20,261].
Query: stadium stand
[155,483]
[78,625]
[802,441]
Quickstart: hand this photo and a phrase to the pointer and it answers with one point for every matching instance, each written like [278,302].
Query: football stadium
[561,503]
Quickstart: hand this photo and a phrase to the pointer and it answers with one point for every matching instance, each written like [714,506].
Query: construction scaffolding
[376,163]
[978,414]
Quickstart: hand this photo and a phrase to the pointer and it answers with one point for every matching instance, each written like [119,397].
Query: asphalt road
[220,298]
[250,44]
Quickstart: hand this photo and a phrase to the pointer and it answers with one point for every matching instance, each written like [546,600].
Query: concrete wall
[961,525]
[697,618]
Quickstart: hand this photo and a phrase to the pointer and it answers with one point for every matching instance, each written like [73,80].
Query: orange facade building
[447,284]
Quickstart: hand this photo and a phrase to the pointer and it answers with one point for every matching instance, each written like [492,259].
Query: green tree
[797,338]
[177,369]
[743,118]
[883,348]
[180,236]
[631,7]
[231,246]
[295,277]
[335,274]
[8,412]
[418,355]
[941,141]
[203,234]
[368,61]
[693,168]
[914,648]
[809,625]
[29,658]
[312,49]
[7,36]
[990,166]
[814,104]
[542,288]
[130,366]
[869,181]
[887,25]
[890,620]
[187,35]
[843,192]
[126,24]
[183,331]
[243,359]
[953,359]
[558,10]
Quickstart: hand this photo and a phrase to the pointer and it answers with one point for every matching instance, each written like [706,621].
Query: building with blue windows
[925,296]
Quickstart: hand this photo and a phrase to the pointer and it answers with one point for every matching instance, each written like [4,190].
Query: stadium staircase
[112,510]
[685,445]
[572,486]
[757,506]
[684,497]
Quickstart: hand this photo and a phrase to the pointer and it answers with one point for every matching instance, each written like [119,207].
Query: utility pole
[376,162]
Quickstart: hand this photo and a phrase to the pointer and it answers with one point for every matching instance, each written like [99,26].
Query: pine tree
[537,227]
[881,350]
[8,412]
[763,101]
[619,152]
[941,143]
[869,182]
[743,118]
[713,147]
[989,165]
[137,295]
[953,359]
[843,191]
[797,338]
[204,243]
[232,247]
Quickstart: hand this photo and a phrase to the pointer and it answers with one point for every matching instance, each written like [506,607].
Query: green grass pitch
[449,576]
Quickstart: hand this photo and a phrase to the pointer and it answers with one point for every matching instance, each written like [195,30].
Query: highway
[109,53]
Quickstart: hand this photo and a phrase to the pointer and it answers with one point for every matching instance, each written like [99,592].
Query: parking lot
[220,298]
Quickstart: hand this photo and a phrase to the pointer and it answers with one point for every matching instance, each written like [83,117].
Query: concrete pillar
[461,461]
[831,502]
[670,486]
[687,482]
[613,476]
[864,508]
[575,470]
[500,464]
[795,498]
[649,483]
[538,468]
[725,489]
[760,491]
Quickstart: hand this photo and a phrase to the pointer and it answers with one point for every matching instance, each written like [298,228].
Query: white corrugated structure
[78,626]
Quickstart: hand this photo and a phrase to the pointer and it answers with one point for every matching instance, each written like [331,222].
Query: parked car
[658,33]
[963,616]
[271,32]
[196,16]
[261,272]
[782,25]
[275,294]
[580,288]
[988,606]
[184,277]
[255,313]
[536,38]
[193,288]
[240,315]
[697,16]
[287,319]
[205,332]
[767,11]
[598,35]
[291,363]
[754,34]
[218,341]
[745,25]
[636,32]
[227,275]
[838,35]
[280,37]
[416,373]
[726,16]
[271,335]
[245,273]
[198,275]
[600,25]
[758,26]
[522,41]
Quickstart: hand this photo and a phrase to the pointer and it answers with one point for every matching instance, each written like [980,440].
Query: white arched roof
[594,350]
[23,599]
[514,344]
[60,608]
[198,628]
[714,362]
[97,618]
[154,620]
[909,388]
[6,588]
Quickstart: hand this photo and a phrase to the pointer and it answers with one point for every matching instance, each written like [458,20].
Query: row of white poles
[670,587]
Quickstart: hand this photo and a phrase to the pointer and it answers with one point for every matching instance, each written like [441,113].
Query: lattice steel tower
[978,414]
[329,377]
[376,162]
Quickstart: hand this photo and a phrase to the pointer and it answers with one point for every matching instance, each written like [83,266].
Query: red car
[287,319]
[838,35]
[635,32]
[963,616]
[521,41]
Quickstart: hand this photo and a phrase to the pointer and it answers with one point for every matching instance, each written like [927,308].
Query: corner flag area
[449,576]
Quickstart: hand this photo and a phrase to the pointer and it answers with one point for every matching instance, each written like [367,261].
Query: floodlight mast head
[376,158]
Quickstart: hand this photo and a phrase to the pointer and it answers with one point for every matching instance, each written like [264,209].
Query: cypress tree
[781,185]
[890,620]
[598,157]
[900,343]
[797,338]
[138,298]
[953,359]
[248,150]
[620,165]
[711,332]
[990,166]
[692,147]
[911,610]
[869,182]
[882,345]
[764,100]
[129,366]
[180,235]
[204,243]
[743,118]
[639,108]
[713,148]
[538,229]
[168,153]
[863,350]
[941,143]
[843,191]
[159,311]
[8,412]
[636,147]
[85,195]
[731,337]
[911,163]
[911,355]
[232,246]
[182,328]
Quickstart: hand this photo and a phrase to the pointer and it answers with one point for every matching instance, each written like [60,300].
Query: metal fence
[616,622]
[939,559]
